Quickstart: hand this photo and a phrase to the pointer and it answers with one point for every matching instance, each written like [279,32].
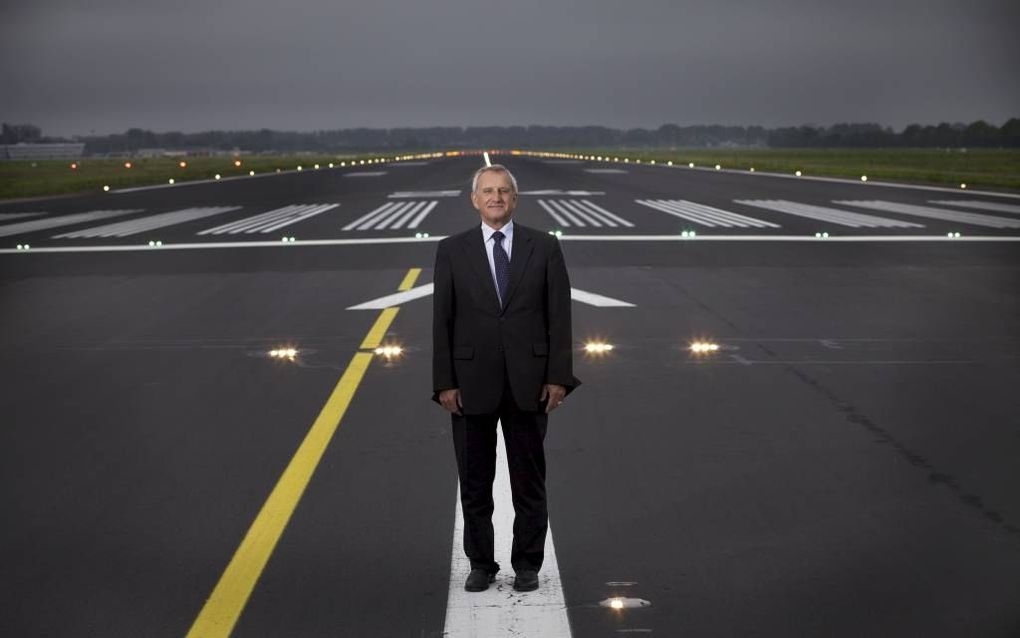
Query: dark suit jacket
[475,343]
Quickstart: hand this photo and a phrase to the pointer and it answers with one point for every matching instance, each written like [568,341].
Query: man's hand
[450,399]
[555,393]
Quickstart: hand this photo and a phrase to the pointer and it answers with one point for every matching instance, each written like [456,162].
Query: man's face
[494,198]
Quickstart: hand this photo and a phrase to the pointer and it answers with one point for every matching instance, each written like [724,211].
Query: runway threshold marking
[224,606]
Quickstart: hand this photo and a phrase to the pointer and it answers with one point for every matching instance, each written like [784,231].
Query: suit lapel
[474,250]
[519,256]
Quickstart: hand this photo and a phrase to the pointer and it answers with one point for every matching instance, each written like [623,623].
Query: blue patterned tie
[502,263]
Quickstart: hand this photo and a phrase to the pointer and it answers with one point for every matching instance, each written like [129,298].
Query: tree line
[979,134]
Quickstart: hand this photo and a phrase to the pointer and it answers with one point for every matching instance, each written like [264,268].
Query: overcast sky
[75,67]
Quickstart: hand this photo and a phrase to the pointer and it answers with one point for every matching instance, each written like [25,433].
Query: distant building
[23,151]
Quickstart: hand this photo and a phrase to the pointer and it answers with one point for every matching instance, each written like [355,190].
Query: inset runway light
[597,347]
[556,233]
[718,167]
[389,351]
[23,246]
[952,235]
[626,160]
[669,163]
[287,240]
[237,162]
[127,164]
[343,163]
[316,167]
[421,235]
[155,243]
[183,165]
[619,602]
[963,186]
[864,178]
[797,173]
[701,347]
[171,180]
[331,164]
[822,235]
[690,164]
[277,170]
[283,353]
[689,234]
[74,166]
[217,176]
[106,189]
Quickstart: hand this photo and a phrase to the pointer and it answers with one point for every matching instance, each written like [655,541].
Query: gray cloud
[190,66]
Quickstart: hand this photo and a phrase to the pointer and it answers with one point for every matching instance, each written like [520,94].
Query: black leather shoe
[526,580]
[478,580]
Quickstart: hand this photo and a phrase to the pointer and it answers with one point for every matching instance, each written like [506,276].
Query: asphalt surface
[844,465]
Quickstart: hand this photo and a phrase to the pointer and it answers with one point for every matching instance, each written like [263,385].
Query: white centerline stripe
[501,611]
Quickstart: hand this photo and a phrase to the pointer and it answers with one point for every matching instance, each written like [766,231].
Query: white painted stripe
[607,214]
[365,174]
[975,219]
[421,215]
[736,218]
[395,299]
[410,213]
[687,215]
[247,222]
[973,203]
[558,191]
[312,211]
[485,154]
[556,216]
[153,222]
[681,206]
[225,245]
[579,206]
[566,212]
[389,217]
[501,611]
[606,171]
[566,204]
[825,214]
[64,220]
[417,194]
[601,301]
[371,215]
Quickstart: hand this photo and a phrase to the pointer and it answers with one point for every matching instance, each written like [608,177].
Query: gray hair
[494,167]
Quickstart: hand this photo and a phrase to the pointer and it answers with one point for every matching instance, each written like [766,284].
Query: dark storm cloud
[107,66]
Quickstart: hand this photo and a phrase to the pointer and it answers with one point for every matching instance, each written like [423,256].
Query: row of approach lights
[378,160]
[627,160]
[301,167]
[590,347]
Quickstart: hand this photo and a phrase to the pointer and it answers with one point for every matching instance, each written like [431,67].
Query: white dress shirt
[490,243]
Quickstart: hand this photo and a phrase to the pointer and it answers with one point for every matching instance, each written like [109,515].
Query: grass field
[978,168]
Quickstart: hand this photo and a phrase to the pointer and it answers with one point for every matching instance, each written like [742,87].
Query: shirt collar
[508,231]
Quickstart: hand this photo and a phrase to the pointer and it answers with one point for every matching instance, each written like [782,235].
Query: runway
[843,465]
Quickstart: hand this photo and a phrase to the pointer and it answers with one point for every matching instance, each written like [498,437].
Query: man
[502,350]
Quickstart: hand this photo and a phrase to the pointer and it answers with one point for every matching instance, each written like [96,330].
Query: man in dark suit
[502,350]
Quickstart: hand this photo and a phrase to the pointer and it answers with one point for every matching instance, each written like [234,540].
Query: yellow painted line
[378,331]
[409,279]
[222,609]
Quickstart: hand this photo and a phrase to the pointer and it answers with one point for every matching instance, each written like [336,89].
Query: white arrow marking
[398,298]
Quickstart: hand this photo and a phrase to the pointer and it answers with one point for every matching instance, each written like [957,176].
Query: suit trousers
[474,441]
